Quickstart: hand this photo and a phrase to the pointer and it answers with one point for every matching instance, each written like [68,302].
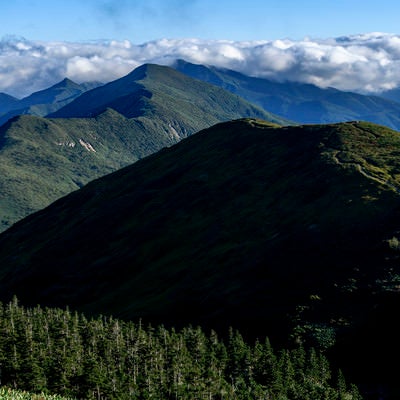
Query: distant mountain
[300,102]
[155,89]
[7,102]
[60,94]
[393,94]
[45,101]
[42,159]
[274,230]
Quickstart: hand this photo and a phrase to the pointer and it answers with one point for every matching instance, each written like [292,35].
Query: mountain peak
[66,82]
[152,87]
[147,69]
[44,101]
[7,102]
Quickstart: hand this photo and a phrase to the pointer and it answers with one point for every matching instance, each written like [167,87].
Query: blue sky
[144,20]
[351,45]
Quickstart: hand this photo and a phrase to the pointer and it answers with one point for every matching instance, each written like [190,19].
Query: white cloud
[364,63]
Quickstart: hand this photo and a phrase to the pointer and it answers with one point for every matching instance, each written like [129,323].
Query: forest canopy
[56,351]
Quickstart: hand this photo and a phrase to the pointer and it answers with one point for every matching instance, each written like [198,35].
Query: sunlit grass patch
[11,394]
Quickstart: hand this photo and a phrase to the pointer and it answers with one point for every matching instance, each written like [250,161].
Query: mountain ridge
[159,111]
[304,103]
[313,193]
[276,231]
[7,101]
[45,101]
[156,78]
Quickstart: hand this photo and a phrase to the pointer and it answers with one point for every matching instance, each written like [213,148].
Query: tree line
[56,351]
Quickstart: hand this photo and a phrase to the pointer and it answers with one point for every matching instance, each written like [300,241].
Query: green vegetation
[12,394]
[56,351]
[155,90]
[43,159]
[287,232]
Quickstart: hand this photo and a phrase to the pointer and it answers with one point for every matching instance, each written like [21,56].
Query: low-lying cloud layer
[363,63]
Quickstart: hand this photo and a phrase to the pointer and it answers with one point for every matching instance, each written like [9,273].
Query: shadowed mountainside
[279,231]
[7,102]
[42,159]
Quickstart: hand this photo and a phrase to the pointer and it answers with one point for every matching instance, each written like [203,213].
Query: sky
[349,44]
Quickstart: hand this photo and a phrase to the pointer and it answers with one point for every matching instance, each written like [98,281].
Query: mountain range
[197,195]
[159,90]
[43,102]
[152,107]
[42,159]
[285,231]
[304,103]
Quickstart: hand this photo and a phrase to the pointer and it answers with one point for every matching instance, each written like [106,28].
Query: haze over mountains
[304,103]
[43,102]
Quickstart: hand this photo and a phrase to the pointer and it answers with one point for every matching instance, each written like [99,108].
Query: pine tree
[104,358]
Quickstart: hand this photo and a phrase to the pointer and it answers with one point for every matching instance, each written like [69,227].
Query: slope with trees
[277,231]
[56,351]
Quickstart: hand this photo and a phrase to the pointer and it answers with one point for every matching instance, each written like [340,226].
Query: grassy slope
[38,165]
[154,89]
[262,227]
[11,394]
[43,159]
[238,189]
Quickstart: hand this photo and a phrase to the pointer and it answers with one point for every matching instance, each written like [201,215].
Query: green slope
[274,230]
[12,394]
[159,90]
[63,352]
[44,159]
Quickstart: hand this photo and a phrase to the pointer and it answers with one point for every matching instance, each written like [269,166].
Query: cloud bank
[366,63]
